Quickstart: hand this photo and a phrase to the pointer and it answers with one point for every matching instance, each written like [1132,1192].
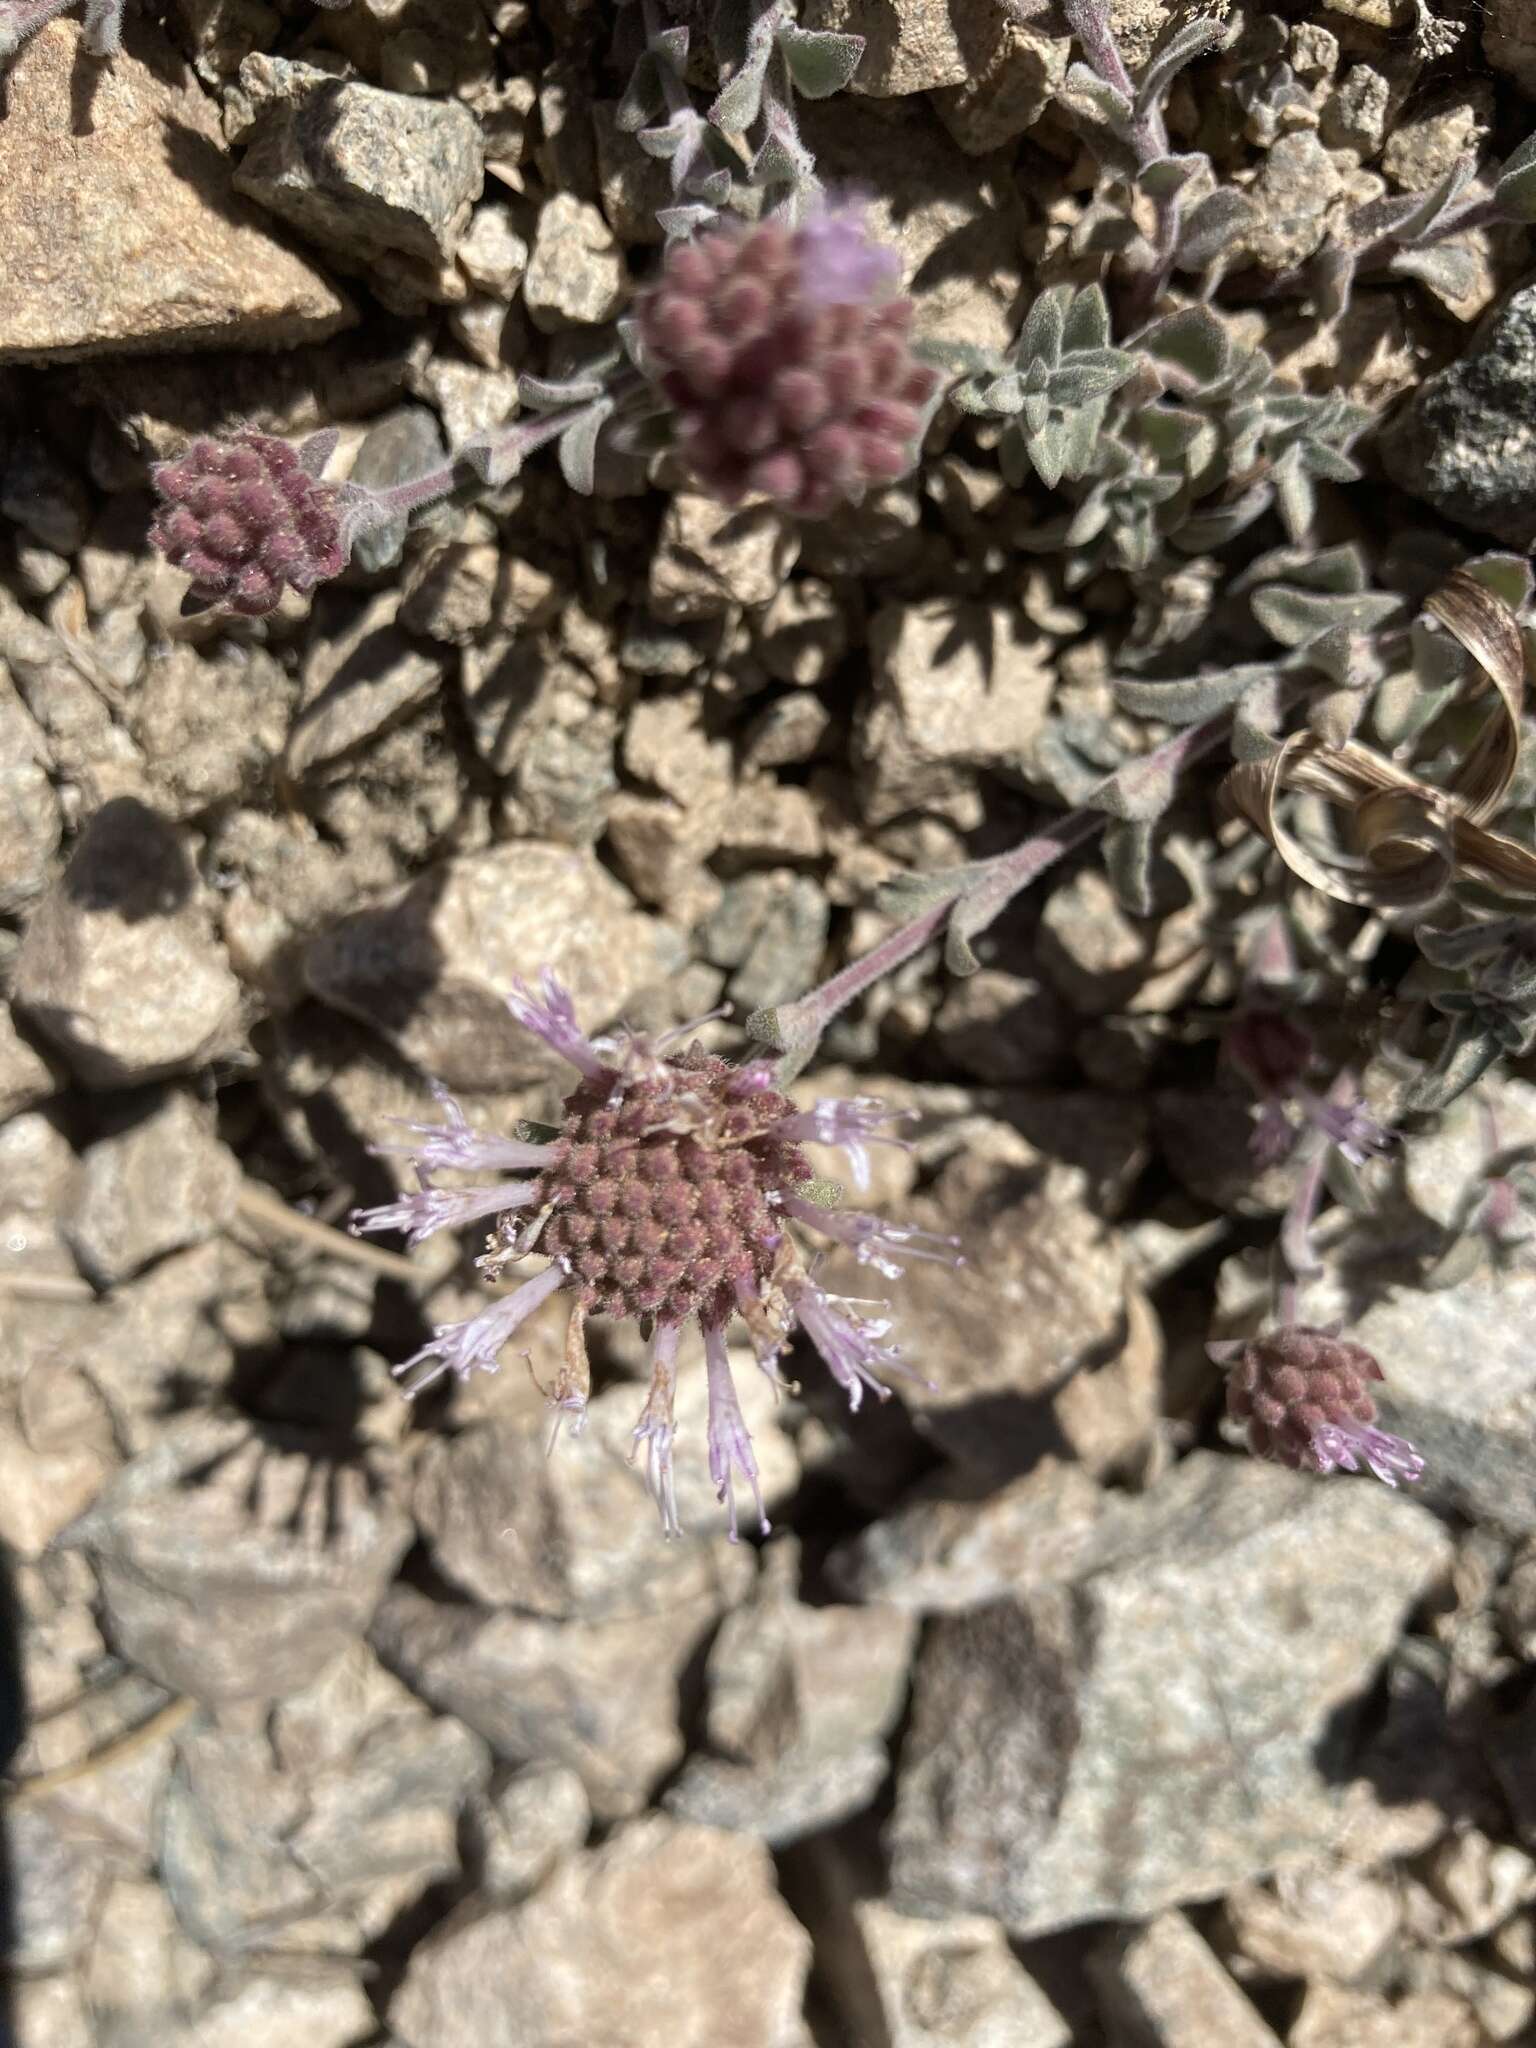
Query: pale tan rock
[710,556]
[156,1179]
[56,1454]
[910,45]
[661,847]
[1164,1983]
[803,635]
[29,810]
[1312,1921]
[1422,148]
[326,2012]
[281,1602]
[1334,2018]
[574,1534]
[678,1929]
[431,967]
[1293,192]
[943,1550]
[126,234]
[800,1702]
[601,1698]
[951,1983]
[1041,1295]
[142,1971]
[575,275]
[771,821]
[49,2012]
[25,1075]
[956,690]
[384,181]
[120,968]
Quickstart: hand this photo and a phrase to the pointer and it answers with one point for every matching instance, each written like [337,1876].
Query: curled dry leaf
[1486,627]
[1408,840]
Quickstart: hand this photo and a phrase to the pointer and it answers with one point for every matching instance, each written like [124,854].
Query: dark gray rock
[1168,1722]
[364,173]
[770,929]
[1466,444]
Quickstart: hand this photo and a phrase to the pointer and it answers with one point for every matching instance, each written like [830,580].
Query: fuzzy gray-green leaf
[1213,227]
[1294,617]
[1041,337]
[1087,321]
[1193,344]
[821,62]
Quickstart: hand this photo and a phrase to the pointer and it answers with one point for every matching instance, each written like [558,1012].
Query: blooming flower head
[1304,1396]
[249,517]
[785,359]
[675,1192]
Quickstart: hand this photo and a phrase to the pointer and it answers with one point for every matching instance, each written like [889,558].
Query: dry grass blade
[1487,629]
[1410,839]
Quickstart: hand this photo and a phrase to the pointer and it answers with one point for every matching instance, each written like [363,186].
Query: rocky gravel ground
[1046,1715]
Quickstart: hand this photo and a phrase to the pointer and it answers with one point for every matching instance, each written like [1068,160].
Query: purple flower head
[785,360]
[673,1192]
[1304,1397]
[249,517]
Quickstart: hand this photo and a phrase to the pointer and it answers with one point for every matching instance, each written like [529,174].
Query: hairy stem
[518,441]
[1148,137]
[1295,1241]
[990,885]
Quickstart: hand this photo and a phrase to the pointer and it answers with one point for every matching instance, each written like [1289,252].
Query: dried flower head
[673,1191]
[786,360]
[249,517]
[1304,1396]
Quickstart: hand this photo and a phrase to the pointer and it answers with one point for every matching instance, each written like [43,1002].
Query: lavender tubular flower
[671,1194]
[434,1209]
[730,1442]
[454,1145]
[1348,1444]
[476,1345]
[552,1016]
[872,1240]
[852,1123]
[849,1343]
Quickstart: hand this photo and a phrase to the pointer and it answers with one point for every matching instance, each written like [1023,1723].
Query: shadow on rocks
[131,862]
[12,1707]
